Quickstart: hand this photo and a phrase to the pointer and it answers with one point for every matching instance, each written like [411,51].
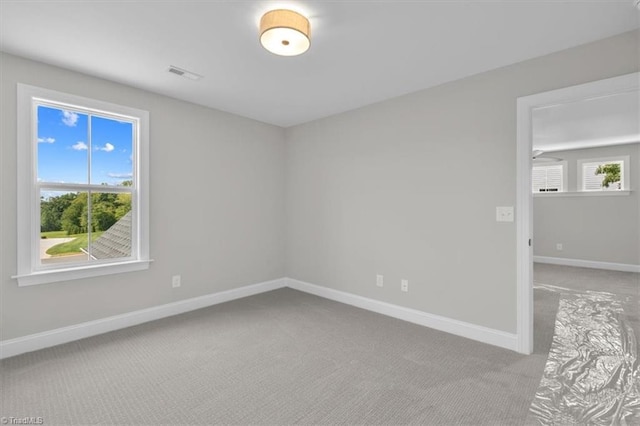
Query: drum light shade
[285,32]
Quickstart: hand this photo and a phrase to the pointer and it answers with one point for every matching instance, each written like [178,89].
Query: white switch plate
[504,214]
[404,285]
[175,281]
[379,280]
[559,246]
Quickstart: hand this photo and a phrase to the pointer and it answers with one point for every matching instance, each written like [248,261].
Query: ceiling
[361,51]
[602,121]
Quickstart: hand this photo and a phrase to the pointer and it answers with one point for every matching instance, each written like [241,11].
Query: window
[82,187]
[604,174]
[549,178]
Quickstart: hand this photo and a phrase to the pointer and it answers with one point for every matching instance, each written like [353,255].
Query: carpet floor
[282,357]
[592,375]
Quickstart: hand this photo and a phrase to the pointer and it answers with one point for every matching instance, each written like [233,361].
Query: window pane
[62,145]
[111,223]
[63,226]
[112,151]
[547,178]
[602,176]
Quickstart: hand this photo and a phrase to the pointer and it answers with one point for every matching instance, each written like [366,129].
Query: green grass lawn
[55,234]
[71,247]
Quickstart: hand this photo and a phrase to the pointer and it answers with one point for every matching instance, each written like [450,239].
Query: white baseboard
[33,342]
[62,335]
[459,328]
[624,267]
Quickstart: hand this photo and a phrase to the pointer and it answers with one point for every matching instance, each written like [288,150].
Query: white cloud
[69,118]
[46,140]
[106,148]
[120,175]
[80,146]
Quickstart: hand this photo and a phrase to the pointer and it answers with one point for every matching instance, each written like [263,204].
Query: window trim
[625,159]
[565,177]
[617,193]
[28,206]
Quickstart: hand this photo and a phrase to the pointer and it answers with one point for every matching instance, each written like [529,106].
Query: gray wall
[394,188]
[217,202]
[597,228]
[390,189]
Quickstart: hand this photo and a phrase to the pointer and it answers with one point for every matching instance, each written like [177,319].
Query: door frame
[524,197]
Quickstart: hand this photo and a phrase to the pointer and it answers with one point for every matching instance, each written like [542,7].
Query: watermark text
[9,420]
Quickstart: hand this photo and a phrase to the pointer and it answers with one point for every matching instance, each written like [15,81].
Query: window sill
[583,194]
[44,277]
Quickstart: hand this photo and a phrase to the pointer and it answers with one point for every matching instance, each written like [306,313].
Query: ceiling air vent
[184,73]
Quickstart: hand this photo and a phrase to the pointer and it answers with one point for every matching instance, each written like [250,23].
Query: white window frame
[625,175]
[565,177]
[30,271]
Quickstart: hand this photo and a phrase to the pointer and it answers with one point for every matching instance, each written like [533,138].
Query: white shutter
[539,179]
[547,178]
[554,178]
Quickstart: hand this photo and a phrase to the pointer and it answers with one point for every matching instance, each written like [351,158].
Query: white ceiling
[361,51]
[607,120]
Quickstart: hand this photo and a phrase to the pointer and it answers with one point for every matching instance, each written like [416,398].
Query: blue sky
[64,143]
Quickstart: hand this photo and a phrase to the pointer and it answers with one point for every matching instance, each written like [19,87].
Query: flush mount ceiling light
[285,32]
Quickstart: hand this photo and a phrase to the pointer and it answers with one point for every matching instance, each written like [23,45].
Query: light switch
[504,214]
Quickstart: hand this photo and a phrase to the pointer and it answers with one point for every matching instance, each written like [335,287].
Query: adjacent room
[586,244]
[271,212]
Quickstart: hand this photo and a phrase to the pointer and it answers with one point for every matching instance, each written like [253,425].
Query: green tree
[74,218]
[103,216]
[49,221]
[122,205]
[611,173]
[106,209]
[51,211]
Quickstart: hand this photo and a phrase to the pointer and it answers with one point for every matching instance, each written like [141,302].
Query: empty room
[319,212]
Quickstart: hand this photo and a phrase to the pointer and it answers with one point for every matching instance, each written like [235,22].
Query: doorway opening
[578,236]
[528,108]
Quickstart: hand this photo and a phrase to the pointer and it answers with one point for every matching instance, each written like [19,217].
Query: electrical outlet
[379,280]
[504,214]
[559,246]
[404,285]
[175,281]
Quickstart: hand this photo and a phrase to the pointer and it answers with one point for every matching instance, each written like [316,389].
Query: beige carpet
[278,358]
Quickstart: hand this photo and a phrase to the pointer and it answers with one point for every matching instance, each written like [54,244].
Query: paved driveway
[47,243]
